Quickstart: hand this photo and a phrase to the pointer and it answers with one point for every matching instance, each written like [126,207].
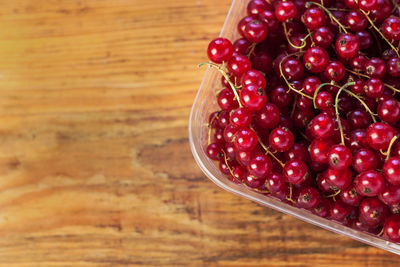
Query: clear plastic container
[205,103]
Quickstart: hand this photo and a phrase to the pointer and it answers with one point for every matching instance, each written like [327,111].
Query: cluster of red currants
[309,110]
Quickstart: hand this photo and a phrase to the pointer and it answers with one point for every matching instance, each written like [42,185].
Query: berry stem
[210,126]
[223,72]
[337,192]
[367,77]
[331,16]
[252,48]
[287,82]
[289,198]
[287,34]
[363,103]
[269,152]
[337,109]
[390,147]
[317,91]
[380,33]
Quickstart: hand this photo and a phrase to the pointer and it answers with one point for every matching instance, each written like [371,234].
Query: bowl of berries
[299,111]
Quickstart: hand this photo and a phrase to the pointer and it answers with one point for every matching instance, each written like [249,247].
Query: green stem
[390,147]
[329,14]
[362,102]
[317,91]
[218,67]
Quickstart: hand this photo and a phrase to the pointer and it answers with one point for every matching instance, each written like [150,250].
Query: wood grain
[95,164]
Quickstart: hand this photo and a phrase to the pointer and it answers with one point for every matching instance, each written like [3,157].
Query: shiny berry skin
[379,135]
[239,173]
[292,69]
[297,40]
[358,62]
[297,151]
[375,67]
[389,110]
[220,50]
[364,160]
[323,208]
[301,118]
[391,28]
[281,97]
[308,198]
[295,171]
[226,99]
[391,170]
[319,150]
[214,151]
[262,61]
[277,186]
[356,21]
[372,211]
[238,65]
[393,67]
[358,119]
[322,37]
[350,196]
[304,103]
[314,18]
[340,157]
[340,211]
[339,179]
[241,46]
[241,117]
[352,4]
[368,5]
[223,119]
[230,131]
[230,150]
[374,88]
[369,183]
[253,97]
[242,23]
[390,195]
[260,165]
[316,59]
[245,140]
[335,71]
[253,77]
[358,139]
[255,31]
[254,182]
[347,45]
[255,7]
[269,18]
[322,126]
[365,39]
[310,84]
[281,139]
[391,229]
[268,117]
[324,100]
[285,10]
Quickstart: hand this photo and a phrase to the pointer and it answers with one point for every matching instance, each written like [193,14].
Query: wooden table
[95,163]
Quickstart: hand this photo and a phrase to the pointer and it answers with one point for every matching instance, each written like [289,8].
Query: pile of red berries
[309,110]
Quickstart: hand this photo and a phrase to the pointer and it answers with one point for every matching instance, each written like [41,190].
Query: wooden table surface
[95,163]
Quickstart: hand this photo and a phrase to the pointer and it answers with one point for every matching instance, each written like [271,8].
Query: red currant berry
[358,139]
[260,165]
[339,179]
[292,69]
[262,61]
[335,71]
[226,100]
[391,170]
[358,119]
[350,196]
[214,151]
[310,84]
[340,211]
[322,126]
[269,18]
[255,31]
[229,132]
[393,67]
[392,228]
[315,59]
[390,195]
[347,45]
[323,208]
[238,65]
[379,135]
[319,150]
[368,5]
[285,10]
[295,171]
[389,110]
[254,182]
[369,183]
[322,37]
[255,7]
[391,28]
[364,160]
[241,46]
[340,157]
[374,88]
[280,96]
[277,186]
[375,67]
[253,97]
[245,140]
[298,151]
[365,39]
[324,101]
[358,62]
[220,50]
[268,117]
[372,211]
[308,198]
[241,117]
[253,77]
[356,21]
[314,18]
[242,23]
[281,139]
